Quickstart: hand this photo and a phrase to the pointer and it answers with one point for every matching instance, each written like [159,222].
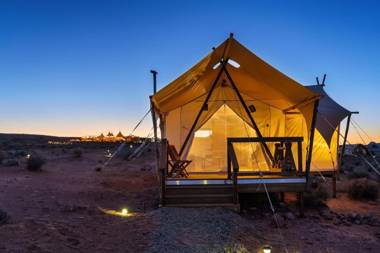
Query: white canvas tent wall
[326,141]
[274,95]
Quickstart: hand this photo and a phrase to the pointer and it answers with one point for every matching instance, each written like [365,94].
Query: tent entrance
[208,150]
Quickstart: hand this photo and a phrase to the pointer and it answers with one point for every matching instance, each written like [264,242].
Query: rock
[278,220]
[289,216]
[10,162]
[327,214]
[3,217]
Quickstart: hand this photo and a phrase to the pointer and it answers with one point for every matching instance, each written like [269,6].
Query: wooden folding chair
[176,163]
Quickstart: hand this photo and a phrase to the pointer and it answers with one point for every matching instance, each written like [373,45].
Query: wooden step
[228,205]
[199,189]
[198,198]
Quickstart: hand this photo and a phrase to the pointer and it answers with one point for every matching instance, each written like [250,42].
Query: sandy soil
[56,211]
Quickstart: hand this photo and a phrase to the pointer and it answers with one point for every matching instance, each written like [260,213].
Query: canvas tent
[233,93]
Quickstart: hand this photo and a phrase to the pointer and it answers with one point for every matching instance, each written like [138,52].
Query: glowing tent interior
[207,104]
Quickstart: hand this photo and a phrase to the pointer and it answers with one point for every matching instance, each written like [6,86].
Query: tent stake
[266,148]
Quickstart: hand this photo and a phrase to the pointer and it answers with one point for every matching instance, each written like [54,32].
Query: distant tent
[326,139]
[120,135]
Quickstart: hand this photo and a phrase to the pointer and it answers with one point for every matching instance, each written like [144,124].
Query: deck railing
[232,158]
[233,164]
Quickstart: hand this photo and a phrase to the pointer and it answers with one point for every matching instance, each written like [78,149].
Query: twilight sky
[74,68]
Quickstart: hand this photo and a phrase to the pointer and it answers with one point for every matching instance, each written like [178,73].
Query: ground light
[124,212]
[267,249]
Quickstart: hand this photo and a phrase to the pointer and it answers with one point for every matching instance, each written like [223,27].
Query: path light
[124,211]
[28,156]
[267,249]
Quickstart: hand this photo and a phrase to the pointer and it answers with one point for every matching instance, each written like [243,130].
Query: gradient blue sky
[82,67]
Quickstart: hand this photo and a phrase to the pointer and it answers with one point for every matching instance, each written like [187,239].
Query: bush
[77,153]
[316,193]
[363,189]
[34,163]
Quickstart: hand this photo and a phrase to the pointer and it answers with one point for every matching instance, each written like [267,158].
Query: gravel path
[198,230]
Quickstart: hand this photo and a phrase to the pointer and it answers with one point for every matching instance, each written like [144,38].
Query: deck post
[301,204]
[229,172]
[311,139]
[163,167]
[200,112]
[266,148]
[299,154]
[334,184]
[235,186]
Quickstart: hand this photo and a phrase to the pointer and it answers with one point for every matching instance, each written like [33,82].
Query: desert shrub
[363,189]
[3,155]
[35,162]
[77,153]
[316,193]
[358,172]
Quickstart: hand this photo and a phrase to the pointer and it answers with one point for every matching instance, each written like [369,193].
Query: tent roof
[330,113]
[254,78]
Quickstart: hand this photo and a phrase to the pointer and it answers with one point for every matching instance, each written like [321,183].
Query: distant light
[124,211]
[205,182]
[267,249]
[177,182]
[131,146]
[28,156]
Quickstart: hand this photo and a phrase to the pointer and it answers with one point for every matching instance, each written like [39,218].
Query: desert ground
[57,210]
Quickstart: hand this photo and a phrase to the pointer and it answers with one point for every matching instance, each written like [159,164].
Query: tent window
[216,66]
[233,63]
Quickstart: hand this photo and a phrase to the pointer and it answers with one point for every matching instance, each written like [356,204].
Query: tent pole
[344,141]
[266,148]
[154,119]
[311,139]
[200,111]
